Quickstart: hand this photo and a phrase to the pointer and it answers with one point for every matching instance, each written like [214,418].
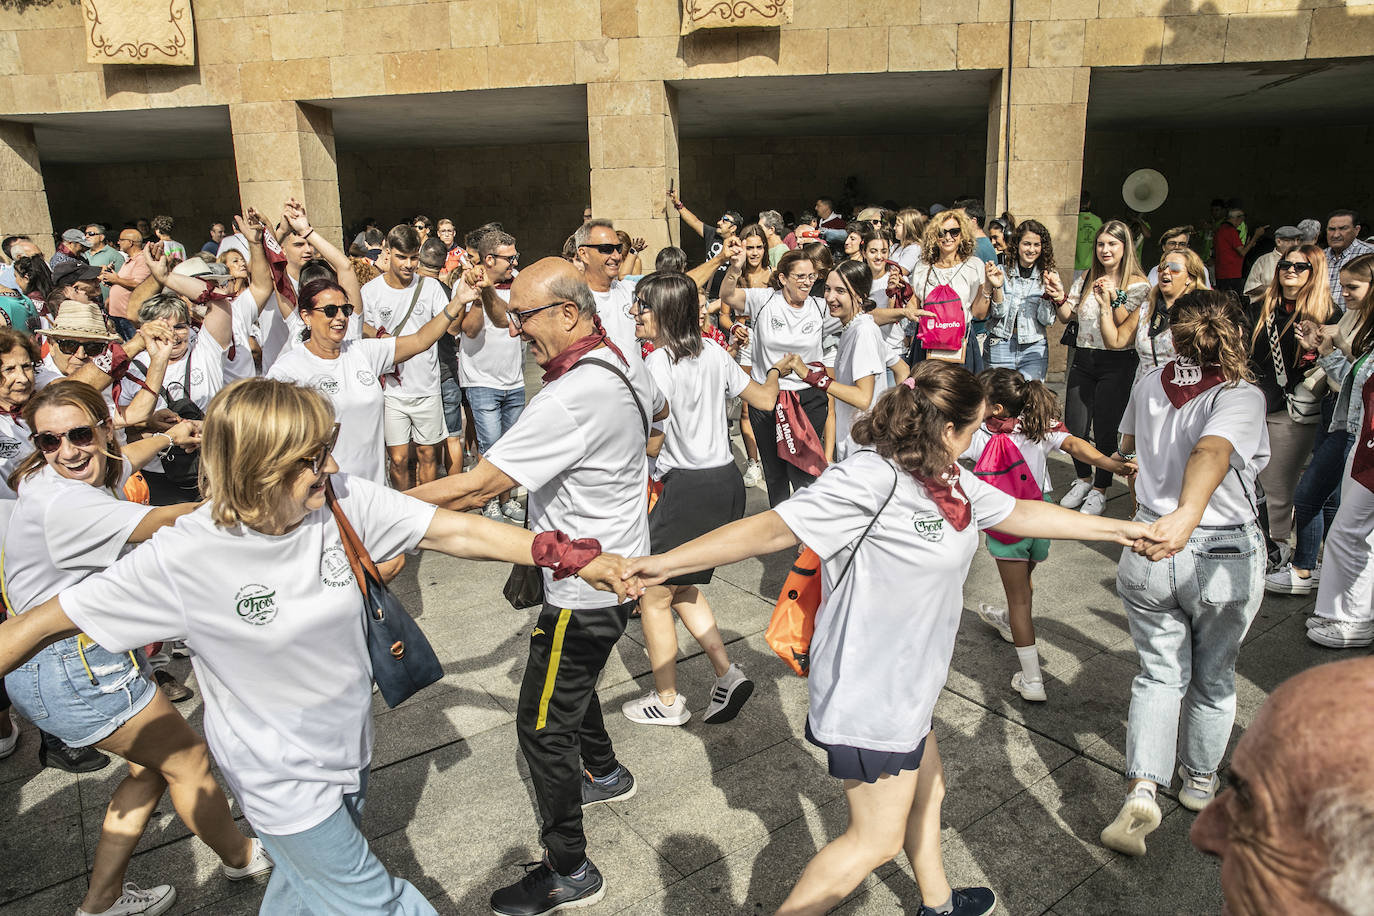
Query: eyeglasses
[606,248]
[79,436]
[1301,267]
[93,348]
[316,462]
[1173,267]
[1176,244]
[517,319]
[513,258]
[950,233]
[803,278]
[641,306]
[332,311]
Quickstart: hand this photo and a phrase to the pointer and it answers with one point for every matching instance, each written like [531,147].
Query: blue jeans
[81,695]
[329,870]
[494,411]
[1031,360]
[1188,615]
[1318,494]
[452,395]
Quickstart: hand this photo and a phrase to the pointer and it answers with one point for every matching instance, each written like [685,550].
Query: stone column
[286,149]
[633,150]
[23,197]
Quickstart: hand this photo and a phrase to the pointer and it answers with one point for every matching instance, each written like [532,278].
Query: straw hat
[79,321]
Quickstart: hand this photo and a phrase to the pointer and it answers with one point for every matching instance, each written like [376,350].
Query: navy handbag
[403,661]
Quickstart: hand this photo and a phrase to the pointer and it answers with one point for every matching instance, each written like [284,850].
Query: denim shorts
[54,691]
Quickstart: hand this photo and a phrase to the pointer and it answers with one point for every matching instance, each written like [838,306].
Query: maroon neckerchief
[949,496]
[276,261]
[900,292]
[578,349]
[14,413]
[554,550]
[1362,465]
[1184,380]
[505,285]
[1001,425]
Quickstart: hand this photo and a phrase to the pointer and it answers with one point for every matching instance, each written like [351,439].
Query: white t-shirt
[892,333]
[243,314]
[277,634]
[383,307]
[879,656]
[863,353]
[15,446]
[350,383]
[273,333]
[1035,453]
[613,306]
[492,359]
[579,450]
[1165,437]
[696,435]
[964,278]
[199,375]
[778,329]
[908,256]
[60,532]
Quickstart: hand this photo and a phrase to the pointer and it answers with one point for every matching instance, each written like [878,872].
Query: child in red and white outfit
[1012,449]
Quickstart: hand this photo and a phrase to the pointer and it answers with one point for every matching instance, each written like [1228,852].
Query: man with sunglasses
[492,367]
[598,248]
[101,254]
[579,448]
[123,280]
[726,228]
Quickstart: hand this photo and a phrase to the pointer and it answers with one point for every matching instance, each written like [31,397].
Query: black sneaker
[71,759]
[968,901]
[544,890]
[618,786]
[176,691]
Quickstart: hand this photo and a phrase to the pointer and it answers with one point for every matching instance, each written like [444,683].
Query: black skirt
[694,502]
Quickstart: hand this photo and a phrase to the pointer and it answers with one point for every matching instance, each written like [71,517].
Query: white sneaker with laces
[1094,503]
[731,692]
[135,901]
[650,710]
[753,473]
[1074,498]
[1342,634]
[1034,691]
[259,864]
[1197,791]
[1285,581]
[7,744]
[996,617]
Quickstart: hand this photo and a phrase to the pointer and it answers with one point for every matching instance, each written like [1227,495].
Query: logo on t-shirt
[810,328]
[197,376]
[256,604]
[326,383]
[931,527]
[778,323]
[384,314]
[334,568]
[8,447]
[366,378]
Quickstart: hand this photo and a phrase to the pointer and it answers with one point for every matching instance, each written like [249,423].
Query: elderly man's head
[551,306]
[1295,831]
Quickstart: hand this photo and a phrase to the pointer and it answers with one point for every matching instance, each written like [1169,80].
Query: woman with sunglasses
[69,521]
[276,626]
[948,259]
[754,275]
[1300,292]
[1148,326]
[347,372]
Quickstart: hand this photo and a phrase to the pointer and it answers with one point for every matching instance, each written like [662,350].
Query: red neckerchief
[1000,425]
[1184,380]
[901,291]
[578,349]
[1362,465]
[949,496]
[16,413]
[212,293]
[276,261]
[555,551]
[505,285]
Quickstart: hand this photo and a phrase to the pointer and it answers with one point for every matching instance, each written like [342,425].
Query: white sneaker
[1094,503]
[1284,581]
[512,510]
[1074,498]
[1342,634]
[135,900]
[1034,691]
[260,864]
[731,692]
[753,473]
[650,710]
[1197,791]
[492,510]
[1138,817]
[996,617]
[7,745]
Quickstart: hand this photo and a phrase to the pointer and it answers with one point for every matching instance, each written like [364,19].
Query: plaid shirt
[1333,267]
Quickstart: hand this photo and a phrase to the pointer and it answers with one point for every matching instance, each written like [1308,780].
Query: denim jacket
[1349,407]
[1024,311]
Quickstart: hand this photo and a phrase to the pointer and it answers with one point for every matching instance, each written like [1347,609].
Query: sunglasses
[642,306]
[1301,267]
[79,436]
[517,319]
[316,462]
[606,248]
[332,311]
[515,258]
[950,233]
[1173,267]
[93,348]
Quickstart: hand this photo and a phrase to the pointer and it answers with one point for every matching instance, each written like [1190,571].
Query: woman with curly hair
[1018,321]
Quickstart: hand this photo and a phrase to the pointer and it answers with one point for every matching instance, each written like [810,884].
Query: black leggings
[1099,387]
[783,477]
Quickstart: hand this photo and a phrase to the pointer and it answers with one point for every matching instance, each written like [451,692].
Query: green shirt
[21,311]
[108,256]
[1088,227]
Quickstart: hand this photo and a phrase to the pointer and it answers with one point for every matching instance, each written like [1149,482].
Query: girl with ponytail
[1197,427]
[1021,426]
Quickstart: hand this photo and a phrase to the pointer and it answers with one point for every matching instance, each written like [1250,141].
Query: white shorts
[418,420]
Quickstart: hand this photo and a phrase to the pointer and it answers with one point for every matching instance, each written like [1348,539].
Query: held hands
[293,211]
[643,572]
[740,332]
[1165,537]
[1313,336]
[609,573]
[250,226]
[158,266]
[465,293]
[1121,467]
[186,434]
[162,420]
[157,339]
[108,275]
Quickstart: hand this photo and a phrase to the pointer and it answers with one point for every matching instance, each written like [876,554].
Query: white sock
[1030,663]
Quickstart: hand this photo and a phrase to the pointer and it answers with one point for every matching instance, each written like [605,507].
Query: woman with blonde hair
[908,229]
[1180,272]
[281,657]
[1102,373]
[1300,292]
[947,259]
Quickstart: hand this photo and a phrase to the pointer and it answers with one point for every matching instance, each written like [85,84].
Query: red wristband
[817,378]
[556,551]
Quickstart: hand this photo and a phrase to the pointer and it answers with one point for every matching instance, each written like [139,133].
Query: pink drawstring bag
[945,329]
[1003,466]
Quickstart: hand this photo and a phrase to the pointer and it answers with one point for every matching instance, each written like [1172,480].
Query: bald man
[1295,830]
[579,448]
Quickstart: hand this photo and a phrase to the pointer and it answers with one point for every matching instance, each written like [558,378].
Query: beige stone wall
[23,209]
[536,191]
[194,193]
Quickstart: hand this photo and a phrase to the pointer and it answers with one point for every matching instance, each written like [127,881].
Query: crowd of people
[889,376]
